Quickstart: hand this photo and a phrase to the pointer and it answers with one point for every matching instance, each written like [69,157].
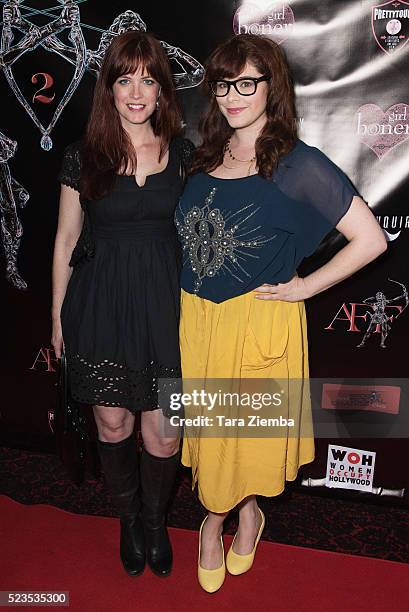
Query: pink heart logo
[382,131]
[274,19]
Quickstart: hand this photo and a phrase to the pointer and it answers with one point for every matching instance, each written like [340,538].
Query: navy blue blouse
[240,233]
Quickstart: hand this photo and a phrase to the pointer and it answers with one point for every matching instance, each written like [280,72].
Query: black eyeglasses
[246,86]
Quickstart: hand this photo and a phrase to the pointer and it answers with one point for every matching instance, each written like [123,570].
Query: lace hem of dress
[108,383]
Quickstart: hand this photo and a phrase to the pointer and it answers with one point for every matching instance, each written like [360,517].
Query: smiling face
[135,97]
[245,111]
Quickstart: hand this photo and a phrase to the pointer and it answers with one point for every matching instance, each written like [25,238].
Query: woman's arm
[366,241]
[70,222]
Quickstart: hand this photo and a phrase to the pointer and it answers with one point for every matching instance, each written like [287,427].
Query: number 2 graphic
[48,82]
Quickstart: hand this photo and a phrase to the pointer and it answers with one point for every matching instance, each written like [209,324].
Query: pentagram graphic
[20,36]
[65,17]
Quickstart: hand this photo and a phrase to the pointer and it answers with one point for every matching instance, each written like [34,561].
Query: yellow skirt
[245,338]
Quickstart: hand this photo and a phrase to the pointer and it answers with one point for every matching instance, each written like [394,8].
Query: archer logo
[379,319]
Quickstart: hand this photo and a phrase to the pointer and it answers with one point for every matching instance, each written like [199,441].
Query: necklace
[235,167]
[244,161]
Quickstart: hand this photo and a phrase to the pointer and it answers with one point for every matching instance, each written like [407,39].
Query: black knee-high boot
[157,479]
[119,461]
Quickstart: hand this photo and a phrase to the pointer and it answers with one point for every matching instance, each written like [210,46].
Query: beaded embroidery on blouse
[216,241]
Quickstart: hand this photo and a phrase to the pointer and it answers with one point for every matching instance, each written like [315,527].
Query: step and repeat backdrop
[349,62]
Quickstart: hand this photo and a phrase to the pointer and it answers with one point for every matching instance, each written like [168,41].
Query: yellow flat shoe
[239,564]
[210,580]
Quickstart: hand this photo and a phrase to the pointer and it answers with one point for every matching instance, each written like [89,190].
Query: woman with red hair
[259,200]
[116,313]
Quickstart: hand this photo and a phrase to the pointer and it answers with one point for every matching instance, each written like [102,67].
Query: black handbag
[63,392]
[72,431]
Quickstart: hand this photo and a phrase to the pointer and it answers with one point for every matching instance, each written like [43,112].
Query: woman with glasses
[257,202]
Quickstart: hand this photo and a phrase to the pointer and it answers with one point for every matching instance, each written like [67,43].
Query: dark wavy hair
[107,148]
[280,131]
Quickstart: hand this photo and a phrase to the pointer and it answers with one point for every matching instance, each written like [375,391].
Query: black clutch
[72,427]
[72,417]
[63,393]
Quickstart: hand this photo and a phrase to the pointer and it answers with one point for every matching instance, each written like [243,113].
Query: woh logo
[390,25]
[273,19]
[382,131]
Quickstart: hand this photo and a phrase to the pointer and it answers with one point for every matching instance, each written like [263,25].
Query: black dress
[120,314]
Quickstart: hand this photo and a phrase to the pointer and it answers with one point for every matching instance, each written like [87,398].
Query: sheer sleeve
[70,170]
[321,191]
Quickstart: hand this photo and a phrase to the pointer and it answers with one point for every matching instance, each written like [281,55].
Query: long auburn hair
[106,148]
[279,133]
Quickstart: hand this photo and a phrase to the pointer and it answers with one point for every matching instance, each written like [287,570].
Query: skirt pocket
[266,339]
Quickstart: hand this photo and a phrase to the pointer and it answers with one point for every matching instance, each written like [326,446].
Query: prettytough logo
[382,131]
[273,19]
[390,25]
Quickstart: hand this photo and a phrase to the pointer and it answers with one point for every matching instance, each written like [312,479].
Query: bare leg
[153,434]
[113,423]
[211,552]
[249,525]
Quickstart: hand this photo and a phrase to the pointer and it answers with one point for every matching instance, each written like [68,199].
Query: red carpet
[44,548]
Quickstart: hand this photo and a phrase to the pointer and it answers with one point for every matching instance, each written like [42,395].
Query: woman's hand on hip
[293,291]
